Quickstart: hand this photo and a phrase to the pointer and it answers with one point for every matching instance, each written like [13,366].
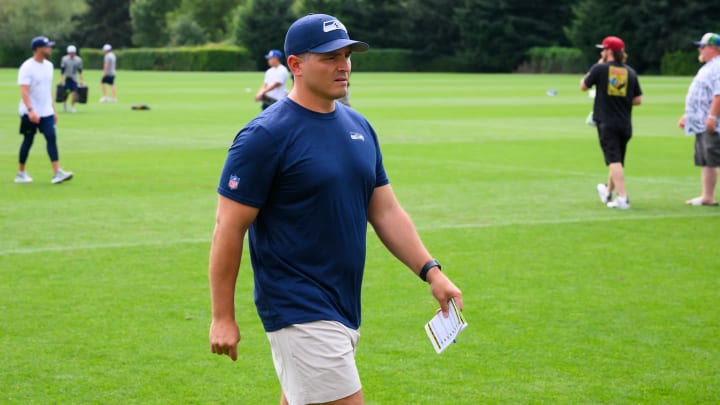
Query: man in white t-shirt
[36,109]
[273,88]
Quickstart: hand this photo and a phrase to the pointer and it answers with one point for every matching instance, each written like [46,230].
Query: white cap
[71,49]
[107,47]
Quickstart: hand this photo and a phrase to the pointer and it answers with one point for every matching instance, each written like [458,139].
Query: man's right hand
[681,122]
[224,338]
[34,117]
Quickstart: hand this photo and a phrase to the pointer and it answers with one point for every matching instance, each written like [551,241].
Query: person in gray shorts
[108,75]
[702,107]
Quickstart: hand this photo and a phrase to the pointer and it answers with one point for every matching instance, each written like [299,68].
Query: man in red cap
[617,91]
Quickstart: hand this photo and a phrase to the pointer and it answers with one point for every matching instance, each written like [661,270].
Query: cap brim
[698,43]
[599,46]
[356,46]
[51,44]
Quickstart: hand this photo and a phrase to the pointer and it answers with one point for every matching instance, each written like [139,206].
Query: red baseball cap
[612,43]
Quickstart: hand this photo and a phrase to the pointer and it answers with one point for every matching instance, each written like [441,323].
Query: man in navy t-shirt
[305,177]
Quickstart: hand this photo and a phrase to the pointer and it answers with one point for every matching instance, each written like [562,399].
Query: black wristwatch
[429,265]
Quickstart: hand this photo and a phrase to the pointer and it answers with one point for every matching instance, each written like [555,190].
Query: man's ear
[295,65]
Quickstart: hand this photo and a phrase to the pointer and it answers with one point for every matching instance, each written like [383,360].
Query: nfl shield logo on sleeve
[233,182]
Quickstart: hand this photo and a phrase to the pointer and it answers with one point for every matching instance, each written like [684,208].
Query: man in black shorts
[617,91]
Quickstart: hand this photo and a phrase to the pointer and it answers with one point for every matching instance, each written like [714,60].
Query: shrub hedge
[553,59]
[679,63]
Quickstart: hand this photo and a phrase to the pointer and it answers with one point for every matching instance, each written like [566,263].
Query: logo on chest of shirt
[357,136]
[233,182]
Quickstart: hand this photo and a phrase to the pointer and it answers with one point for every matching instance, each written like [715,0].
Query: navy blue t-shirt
[311,175]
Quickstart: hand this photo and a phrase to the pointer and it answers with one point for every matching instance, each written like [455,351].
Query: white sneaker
[73,110]
[61,176]
[103,99]
[112,100]
[622,203]
[604,194]
[23,177]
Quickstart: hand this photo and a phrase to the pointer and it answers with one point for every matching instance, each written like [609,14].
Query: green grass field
[103,280]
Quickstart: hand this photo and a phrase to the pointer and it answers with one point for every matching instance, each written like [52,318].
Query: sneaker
[23,177]
[604,194]
[61,176]
[622,203]
[103,99]
[73,110]
[112,100]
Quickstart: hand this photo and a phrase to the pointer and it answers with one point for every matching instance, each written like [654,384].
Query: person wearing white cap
[305,178]
[702,112]
[108,74]
[71,67]
[273,87]
[37,111]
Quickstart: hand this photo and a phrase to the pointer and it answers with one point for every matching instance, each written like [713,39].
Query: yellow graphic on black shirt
[617,81]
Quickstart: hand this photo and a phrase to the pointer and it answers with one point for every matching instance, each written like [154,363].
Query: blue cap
[38,42]
[274,53]
[319,33]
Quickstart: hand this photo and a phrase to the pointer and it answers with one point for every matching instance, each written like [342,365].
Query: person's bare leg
[617,177]
[709,181]
[283,400]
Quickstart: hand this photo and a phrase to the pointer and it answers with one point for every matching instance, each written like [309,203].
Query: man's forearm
[225,256]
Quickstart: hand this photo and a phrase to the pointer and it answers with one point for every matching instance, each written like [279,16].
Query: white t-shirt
[39,76]
[274,75]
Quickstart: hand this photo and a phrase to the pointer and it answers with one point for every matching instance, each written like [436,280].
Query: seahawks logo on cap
[333,25]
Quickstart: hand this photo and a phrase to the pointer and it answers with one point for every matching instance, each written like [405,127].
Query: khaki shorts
[315,361]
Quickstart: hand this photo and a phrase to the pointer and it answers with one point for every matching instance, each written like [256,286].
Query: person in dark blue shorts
[71,67]
[37,111]
[304,178]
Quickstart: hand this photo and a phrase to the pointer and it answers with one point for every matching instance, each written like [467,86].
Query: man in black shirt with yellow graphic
[617,91]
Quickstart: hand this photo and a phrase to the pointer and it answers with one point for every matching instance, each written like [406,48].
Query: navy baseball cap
[274,53]
[319,33]
[38,42]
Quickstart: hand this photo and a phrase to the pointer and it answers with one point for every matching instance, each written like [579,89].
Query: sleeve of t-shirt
[275,76]
[381,177]
[637,90]
[24,76]
[716,86]
[251,166]
[591,77]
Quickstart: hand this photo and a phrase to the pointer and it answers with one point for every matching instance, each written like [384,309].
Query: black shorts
[613,141]
[707,150]
[108,80]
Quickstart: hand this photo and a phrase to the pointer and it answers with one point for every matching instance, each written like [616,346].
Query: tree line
[487,35]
